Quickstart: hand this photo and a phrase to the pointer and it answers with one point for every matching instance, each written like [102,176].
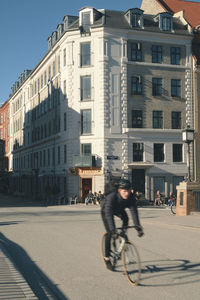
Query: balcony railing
[83,161]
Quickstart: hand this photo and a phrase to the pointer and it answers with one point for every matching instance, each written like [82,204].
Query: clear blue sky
[25,26]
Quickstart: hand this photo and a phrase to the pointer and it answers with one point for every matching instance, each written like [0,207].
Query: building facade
[4,136]
[107,100]
[189,12]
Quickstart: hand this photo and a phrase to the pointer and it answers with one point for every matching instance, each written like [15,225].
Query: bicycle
[173,206]
[122,248]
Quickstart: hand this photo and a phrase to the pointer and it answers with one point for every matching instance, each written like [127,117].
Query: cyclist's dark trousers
[107,237]
[124,218]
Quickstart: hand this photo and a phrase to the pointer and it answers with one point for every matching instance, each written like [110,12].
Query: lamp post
[188,137]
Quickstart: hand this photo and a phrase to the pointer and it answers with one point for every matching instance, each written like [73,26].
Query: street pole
[188,162]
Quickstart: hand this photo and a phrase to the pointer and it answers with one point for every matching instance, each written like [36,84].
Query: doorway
[138,180]
[86,187]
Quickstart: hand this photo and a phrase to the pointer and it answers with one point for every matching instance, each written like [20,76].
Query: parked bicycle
[123,249]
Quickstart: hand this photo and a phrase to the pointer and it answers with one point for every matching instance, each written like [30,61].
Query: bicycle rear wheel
[131,263]
[173,208]
[114,245]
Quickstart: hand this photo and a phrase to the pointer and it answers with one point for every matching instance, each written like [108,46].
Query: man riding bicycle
[114,205]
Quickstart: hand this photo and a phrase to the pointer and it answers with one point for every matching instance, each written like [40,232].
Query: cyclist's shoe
[108,264]
[140,231]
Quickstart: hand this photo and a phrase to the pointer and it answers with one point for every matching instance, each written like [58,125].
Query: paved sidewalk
[13,285]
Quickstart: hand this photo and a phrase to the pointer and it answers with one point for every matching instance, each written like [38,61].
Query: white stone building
[107,100]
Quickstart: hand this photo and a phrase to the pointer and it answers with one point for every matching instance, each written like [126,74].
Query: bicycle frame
[123,239]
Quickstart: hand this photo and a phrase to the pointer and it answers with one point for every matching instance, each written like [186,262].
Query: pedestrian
[55,192]
[100,198]
[171,199]
[48,194]
[158,200]
[89,198]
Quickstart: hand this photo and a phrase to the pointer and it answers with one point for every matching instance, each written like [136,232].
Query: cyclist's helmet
[124,184]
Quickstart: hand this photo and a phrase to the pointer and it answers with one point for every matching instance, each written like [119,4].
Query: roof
[116,19]
[191,9]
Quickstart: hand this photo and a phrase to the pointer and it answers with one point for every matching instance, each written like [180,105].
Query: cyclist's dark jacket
[114,205]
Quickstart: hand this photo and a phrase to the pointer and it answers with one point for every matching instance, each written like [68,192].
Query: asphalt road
[57,250]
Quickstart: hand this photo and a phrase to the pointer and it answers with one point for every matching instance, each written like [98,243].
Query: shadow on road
[180,271]
[9,223]
[39,283]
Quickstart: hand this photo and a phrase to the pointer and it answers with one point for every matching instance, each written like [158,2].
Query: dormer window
[134,17]
[165,21]
[86,21]
[54,37]
[49,43]
[60,30]
[87,17]
[136,20]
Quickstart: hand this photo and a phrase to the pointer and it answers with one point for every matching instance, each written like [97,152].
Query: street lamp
[188,137]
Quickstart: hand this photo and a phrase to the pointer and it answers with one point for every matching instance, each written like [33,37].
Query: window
[86,21]
[136,85]
[157,119]
[175,88]
[58,155]
[175,55]
[166,23]
[49,128]
[85,88]
[158,152]
[136,52]
[59,63]
[65,154]
[41,81]
[49,72]
[45,77]
[65,121]
[44,157]
[49,157]
[177,152]
[86,121]
[85,54]
[137,119]
[137,19]
[156,54]
[64,88]
[138,149]
[64,57]
[176,120]
[54,68]
[156,86]
[40,158]
[35,91]
[53,156]
[86,149]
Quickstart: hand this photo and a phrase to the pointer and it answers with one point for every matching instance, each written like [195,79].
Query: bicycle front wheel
[173,208]
[131,263]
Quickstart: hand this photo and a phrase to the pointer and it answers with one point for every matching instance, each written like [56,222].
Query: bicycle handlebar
[127,227]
